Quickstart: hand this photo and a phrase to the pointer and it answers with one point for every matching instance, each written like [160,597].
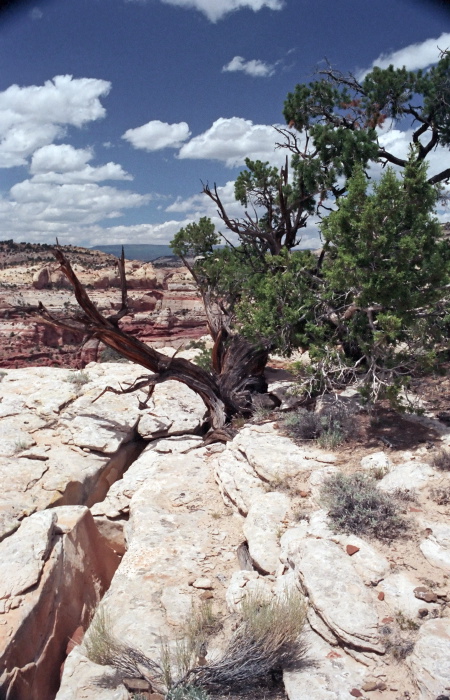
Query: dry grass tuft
[441,460]
[356,506]
[266,640]
[103,648]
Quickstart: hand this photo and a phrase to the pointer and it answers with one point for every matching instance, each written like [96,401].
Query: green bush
[204,358]
[356,506]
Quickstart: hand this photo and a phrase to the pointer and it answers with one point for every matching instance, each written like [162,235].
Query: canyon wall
[166,308]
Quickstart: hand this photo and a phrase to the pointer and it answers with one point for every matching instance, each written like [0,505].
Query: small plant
[78,378]
[20,445]
[441,460]
[102,647]
[357,507]
[441,496]
[302,424]
[261,413]
[204,358]
[379,472]
[405,623]
[2,374]
[330,428]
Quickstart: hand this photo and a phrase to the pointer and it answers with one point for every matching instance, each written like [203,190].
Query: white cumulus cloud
[33,116]
[255,67]
[65,164]
[156,135]
[217,9]
[413,56]
[234,139]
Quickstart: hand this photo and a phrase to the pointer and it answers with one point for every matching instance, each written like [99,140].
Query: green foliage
[204,358]
[195,239]
[356,506]
[341,115]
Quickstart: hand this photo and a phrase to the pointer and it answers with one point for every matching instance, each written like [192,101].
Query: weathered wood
[238,366]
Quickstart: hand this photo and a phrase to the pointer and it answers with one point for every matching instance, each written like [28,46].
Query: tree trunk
[238,366]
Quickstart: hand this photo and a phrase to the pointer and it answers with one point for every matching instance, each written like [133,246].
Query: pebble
[351,549]
[423,593]
[203,583]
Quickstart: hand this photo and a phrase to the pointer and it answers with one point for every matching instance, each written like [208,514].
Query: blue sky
[112,112]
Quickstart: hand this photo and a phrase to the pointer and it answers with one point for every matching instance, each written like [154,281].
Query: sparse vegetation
[441,460]
[20,445]
[405,623]
[103,648]
[356,506]
[2,374]
[78,378]
[266,639]
[441,496]
[204,358]
[331,427]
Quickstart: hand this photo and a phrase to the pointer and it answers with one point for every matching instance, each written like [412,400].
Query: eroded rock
[337,593]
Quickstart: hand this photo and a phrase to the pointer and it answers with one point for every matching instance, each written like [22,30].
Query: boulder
[337,593]
[430,659]
[276,458]
[411,475]
[436,546]
[262,529]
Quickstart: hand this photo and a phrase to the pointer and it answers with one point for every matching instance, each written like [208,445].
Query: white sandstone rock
[337,593]
[332,676]
[370,564]
[261,529]
[377,462]
[436,547]
[411,475]
[430,659]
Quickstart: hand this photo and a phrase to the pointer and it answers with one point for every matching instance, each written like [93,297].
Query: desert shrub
[441,496]
[110,355]
[357,507]
[302,424]
[178,659]
[266,640]
[103,648]
[441,460]
[2,374]
[78,378]
[330,428]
